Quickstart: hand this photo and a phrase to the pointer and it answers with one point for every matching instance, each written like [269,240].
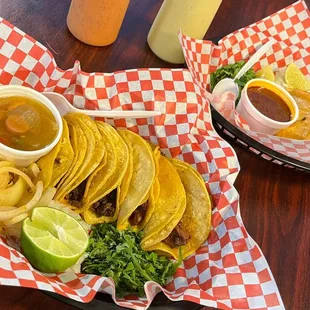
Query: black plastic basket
[105,302]
[232,133]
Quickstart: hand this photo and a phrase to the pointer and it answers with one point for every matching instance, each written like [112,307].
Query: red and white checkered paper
[229,271]
[290,28]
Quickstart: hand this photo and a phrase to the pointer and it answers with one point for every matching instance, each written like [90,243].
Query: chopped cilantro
[230,71]
[118,255]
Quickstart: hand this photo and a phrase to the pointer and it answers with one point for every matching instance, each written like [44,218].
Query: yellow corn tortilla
[197,216]
[153,193]
[169,207]
[196,219]
[46,164]
[55,164]
[141,180]
[156,190]
[156,187]
[79,145]
[300,130]
[93,156]
[151,196]
[124,186]
[100,185]
[64,157]
[106,168]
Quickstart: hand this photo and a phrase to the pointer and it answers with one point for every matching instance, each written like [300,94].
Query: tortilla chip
[142,177]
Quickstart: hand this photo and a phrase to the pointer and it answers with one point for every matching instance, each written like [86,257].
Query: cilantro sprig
[230,71]
[118,255]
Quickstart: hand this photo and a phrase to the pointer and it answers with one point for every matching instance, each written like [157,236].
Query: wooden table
[275,201]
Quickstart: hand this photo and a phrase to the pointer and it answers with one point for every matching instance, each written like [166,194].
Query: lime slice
[266,73]
[52,240]
[295,78]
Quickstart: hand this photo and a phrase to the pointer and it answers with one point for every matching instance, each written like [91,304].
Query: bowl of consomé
[30,125]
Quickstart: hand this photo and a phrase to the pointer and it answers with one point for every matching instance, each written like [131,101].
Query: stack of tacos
[110,175]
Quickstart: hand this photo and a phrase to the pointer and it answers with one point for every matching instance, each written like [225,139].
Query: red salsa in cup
[269,104]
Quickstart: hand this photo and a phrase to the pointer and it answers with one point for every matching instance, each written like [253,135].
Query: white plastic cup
[25,158]
[258,121]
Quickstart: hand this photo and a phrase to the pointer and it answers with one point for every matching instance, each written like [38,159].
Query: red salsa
[269,104]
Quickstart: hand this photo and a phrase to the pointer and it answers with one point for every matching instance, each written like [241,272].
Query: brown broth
[26,124]
[269,103]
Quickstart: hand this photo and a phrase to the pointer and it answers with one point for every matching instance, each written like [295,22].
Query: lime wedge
[52,240]
[266,73]
[295,78]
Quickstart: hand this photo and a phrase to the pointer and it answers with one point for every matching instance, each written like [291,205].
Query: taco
[79,146]
[124,186]
[89,147]
[300,130]
[100,201]
[184,232]
[155,187]
[136,207]
[64,157]
[54,165]
[169,207]
[140,216]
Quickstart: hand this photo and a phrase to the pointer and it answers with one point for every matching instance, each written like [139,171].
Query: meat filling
[106,206]
[75,196]
[57,160]
[177,237]
[12,177]
[138,215]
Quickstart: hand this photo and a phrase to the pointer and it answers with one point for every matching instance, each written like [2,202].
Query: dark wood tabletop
[274,201]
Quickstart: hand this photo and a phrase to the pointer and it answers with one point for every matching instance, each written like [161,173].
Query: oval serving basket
[232,133]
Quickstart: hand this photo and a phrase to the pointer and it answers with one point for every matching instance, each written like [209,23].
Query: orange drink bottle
[96,22]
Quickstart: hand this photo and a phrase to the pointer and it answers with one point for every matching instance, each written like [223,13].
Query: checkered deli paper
[290,28]
[229,271]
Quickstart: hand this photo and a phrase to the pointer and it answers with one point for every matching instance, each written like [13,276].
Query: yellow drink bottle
[192,17]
